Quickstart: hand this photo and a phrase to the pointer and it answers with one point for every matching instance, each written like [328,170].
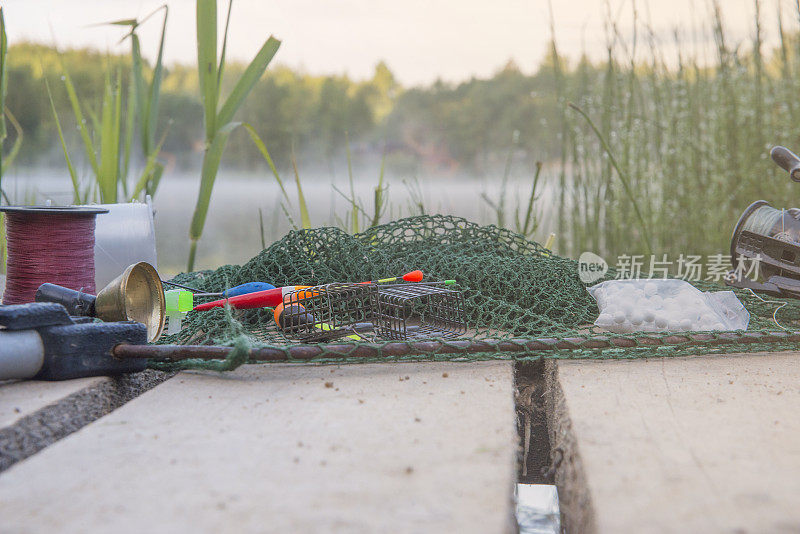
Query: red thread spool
[52,244]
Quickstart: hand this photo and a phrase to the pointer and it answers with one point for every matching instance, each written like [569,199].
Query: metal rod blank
[394,349]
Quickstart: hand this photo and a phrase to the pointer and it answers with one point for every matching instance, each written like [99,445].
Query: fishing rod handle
[787,160]
[76,302]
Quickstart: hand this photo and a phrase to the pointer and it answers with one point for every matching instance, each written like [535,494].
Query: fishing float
[272,297]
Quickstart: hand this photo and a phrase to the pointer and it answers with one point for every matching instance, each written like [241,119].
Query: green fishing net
[514,289]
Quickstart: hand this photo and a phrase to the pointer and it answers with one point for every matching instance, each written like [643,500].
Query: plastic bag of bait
[665,306]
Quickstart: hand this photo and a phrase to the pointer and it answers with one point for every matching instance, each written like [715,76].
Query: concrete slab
[34,414]
[701,444]
[285,448]
[20,399]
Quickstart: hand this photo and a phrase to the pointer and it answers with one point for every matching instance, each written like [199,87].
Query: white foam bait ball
[661,321]
[636,318]
[686,324]
[619,317]
[671,303]
[649,316]
[650,289]
[604,319]
[674,326]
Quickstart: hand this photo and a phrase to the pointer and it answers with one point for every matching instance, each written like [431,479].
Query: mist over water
[232,233]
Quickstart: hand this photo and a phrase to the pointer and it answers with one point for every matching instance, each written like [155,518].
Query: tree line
[442,127]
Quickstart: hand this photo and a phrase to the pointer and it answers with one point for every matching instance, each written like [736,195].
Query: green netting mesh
[513,288]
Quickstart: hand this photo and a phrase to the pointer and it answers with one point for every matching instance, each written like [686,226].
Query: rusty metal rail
[408,348]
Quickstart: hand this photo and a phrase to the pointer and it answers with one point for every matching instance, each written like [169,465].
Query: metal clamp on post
[41,341]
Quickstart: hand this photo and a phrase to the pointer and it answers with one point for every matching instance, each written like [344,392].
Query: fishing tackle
[272,297]
[397,311]
[766,242]
[49,244]
[135,295]
[293,318]
[241,289]
[41,341]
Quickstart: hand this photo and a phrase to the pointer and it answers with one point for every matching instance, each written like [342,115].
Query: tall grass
[5,160]
[357,216]
[106,138]
[143,104]
[662,154]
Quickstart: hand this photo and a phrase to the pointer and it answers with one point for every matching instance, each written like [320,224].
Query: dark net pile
[513,289]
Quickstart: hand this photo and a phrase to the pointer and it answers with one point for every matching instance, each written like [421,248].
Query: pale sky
[420,40]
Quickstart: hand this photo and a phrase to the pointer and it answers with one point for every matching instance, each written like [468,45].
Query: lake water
[232,233]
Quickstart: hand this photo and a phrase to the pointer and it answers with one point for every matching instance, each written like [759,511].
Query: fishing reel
[766,242]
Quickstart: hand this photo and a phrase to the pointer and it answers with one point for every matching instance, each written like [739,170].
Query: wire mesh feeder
[326,312]
[369,311]
[419,311]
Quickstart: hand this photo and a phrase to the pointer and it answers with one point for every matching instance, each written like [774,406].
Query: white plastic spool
[125,235]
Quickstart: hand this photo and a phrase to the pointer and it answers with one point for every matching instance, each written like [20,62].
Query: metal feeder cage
[411,311]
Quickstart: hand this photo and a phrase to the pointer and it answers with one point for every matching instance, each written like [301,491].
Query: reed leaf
[380,195]
[130,124]
[107,177]
[265,154]
[3,78]
[151,106]
[150,169]
[210,79]
[208,174]
[221,66]
[88,146]
[147,98]
[9,158]
[76,188]
[261,229]
[6,161]
[207,63]
[305,220]
[248,80]
[122,22]
[529,225]
[354,227]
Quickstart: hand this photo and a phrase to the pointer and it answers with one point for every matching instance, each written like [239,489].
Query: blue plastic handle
[249,287]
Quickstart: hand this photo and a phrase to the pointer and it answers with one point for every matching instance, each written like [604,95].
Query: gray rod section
[21,354]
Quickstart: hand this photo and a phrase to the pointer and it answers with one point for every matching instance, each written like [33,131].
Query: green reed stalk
[218,120]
